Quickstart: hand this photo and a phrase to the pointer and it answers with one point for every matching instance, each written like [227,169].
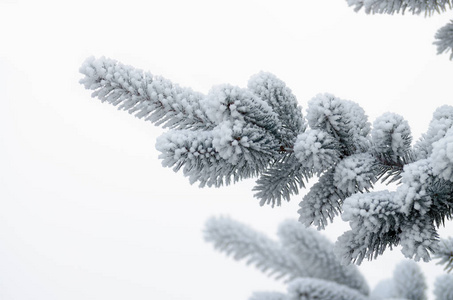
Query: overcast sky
[86,209]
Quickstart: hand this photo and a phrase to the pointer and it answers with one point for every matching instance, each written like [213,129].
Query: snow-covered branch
[323,276]
[444,39]
[235,133]
[152,98]
[427,7]
[444,36]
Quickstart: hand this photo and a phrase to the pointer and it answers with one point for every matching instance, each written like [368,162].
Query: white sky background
[87,211]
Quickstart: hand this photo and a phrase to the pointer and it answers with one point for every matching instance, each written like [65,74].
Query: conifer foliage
[305,259]
[444,36]
[235,133]
[444,252]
